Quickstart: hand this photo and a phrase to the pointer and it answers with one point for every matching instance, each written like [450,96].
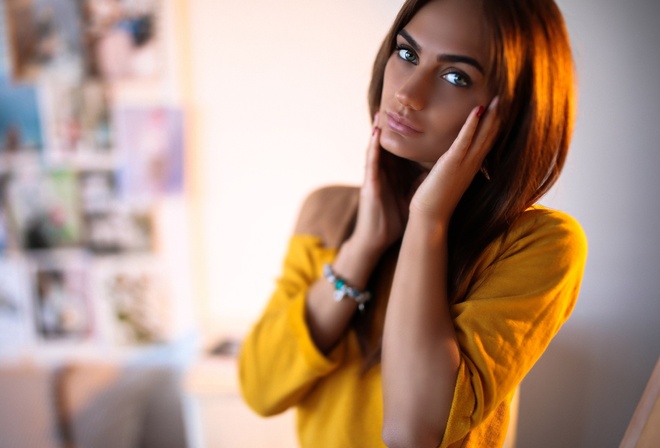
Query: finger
[485,135]
[463,141]
[373,153]
[461,156]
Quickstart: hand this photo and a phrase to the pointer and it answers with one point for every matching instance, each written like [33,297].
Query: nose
[414,92]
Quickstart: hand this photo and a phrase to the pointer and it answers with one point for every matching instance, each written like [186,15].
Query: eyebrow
[443,57]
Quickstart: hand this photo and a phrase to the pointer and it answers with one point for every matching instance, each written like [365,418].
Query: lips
[402,125]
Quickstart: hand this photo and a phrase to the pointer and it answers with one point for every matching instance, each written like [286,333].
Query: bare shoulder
[329,213]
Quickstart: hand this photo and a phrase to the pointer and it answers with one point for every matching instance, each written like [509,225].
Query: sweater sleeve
[517,305]
[279,362]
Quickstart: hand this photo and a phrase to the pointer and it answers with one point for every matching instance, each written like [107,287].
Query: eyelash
[455,74]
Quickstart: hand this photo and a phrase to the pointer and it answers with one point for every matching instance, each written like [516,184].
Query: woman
[410,309]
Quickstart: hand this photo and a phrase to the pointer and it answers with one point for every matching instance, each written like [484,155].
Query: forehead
[451,26]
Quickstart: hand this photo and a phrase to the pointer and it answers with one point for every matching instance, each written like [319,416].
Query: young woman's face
[433,79]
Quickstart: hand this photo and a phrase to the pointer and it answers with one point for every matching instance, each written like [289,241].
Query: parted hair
[531,70]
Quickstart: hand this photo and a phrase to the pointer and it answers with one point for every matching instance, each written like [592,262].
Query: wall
[584,390]
[279,96]
[278,93]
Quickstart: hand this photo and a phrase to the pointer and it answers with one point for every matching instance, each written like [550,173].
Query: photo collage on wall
[80,173]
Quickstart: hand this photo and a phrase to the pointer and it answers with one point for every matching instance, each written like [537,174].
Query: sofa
[91,405]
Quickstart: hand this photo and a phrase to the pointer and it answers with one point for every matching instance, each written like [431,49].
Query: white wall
[279,90]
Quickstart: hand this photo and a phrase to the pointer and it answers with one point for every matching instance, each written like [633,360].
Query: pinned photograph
[4,50]
[4,231]
[135,300]
[61,302]
[14,307]
[119,229]
[44,208]
[5,238]
[150,141]
[20,122]
[98,190]
[44,35]
[122,39]
[78,121]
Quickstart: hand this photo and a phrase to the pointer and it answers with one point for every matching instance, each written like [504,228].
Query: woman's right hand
[381,219]
[382,211]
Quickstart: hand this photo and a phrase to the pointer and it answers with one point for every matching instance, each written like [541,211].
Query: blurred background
[153,157]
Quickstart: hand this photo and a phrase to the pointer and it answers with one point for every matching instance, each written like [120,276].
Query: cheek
[447,123]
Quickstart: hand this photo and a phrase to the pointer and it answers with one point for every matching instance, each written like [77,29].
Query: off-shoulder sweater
[523,290]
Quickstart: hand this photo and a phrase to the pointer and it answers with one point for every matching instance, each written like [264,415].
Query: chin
[406,148]
[405,152]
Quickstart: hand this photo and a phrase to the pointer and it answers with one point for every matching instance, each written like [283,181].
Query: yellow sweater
[524,291]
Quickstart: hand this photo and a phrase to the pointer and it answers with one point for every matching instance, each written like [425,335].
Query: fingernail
[373,132]
[480,112]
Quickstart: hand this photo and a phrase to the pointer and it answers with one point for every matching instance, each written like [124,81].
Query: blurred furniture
[91,405]
[28,414]
[218,416]
[644,427]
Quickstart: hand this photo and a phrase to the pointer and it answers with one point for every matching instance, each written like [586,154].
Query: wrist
[342,289]
[355,262]
[435,231]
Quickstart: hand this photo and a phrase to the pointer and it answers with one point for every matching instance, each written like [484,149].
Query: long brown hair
[531,70]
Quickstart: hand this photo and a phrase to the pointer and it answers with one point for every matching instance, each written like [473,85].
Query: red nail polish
[480,112]
[374,130]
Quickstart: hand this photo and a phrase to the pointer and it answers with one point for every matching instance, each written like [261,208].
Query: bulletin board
[88,177]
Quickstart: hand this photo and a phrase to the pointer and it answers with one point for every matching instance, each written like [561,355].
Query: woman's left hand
[439,194]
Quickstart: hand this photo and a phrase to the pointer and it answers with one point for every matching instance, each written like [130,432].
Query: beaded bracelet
[343,290]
